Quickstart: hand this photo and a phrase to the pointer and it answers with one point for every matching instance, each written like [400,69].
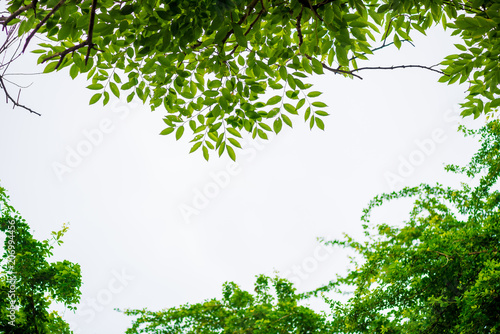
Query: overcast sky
[153,226]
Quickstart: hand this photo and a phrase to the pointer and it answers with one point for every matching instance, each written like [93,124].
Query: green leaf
[114,89]
[342,56]
[314,94]
[291,109]
[179,132]
[321,113]
[96,86]
[230,152]
[234,142]
[222,147]
[195,146]
[234,132]
[286,120]
[277,125]
[106,98]
[73,71]
[283,72]
[319,123]
[273,100]
[167,131]
[50,67]
[95,98]
[319,104]
[239,35]
[397,41]
[205,153]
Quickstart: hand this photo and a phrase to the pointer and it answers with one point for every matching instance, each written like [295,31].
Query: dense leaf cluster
[439,272]
[222,66]
[238,311]
[28,282]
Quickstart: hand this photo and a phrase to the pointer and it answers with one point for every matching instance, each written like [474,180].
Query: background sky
[123,197]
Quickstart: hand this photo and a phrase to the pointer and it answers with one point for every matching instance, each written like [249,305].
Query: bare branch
[430,68]
[336,71]
[15,102]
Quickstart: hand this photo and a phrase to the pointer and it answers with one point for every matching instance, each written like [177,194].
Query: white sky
[122,200]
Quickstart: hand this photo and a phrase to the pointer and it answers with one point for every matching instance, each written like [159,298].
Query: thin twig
[16,103]
[430,68]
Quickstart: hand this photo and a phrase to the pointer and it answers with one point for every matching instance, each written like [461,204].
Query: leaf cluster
[438,272]
[29,282]
[238,311]
[215,65]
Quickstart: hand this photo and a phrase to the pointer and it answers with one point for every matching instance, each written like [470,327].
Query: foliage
[237,312]
[220,67]
[440,271]
[29,282]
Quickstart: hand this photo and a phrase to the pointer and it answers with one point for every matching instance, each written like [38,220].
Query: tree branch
[299,28]
[88,41]
[430,68]
[91,30]
[42,22]
[16,103]
[63,54]
[251,6]
[6,20]
[336,71]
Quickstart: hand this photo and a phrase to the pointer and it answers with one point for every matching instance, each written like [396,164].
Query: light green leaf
[95,98]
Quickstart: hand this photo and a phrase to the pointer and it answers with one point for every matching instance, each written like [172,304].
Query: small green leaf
[286,120]
[221,148]
[277,125]
[167,131]
[397,41]
[273,100]
[116,77]
[319,123]
[234,132]
[283,73]
[319,104]
[205,153]
[106,98]
[95,98]
[314,94]
[234,142]
[291,109]
[95,86]
[114,89]
[230,152]
[195,146]
[73,71]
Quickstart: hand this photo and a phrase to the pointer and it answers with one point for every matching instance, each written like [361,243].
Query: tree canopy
[28,282]
[437,272]
[220,67]
[269,310]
